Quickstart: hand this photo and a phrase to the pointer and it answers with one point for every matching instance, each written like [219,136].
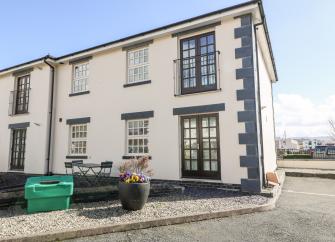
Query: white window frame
[78,139]
[134,65]
[80,79]
[137,136]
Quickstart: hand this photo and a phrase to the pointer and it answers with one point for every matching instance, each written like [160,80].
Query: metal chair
[106,168]
[76,172]
[68,165]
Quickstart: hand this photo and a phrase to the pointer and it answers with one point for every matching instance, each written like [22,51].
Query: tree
[332,128]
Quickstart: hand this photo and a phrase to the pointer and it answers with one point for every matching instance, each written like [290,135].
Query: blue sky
[301,31]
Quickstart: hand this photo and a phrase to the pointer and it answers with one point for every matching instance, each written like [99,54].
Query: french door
[22,94]
[18,148]
[200,146]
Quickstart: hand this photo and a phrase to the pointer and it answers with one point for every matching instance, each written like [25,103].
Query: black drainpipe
[259,105]
[50,113]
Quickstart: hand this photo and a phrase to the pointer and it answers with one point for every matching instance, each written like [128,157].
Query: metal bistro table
[85,168]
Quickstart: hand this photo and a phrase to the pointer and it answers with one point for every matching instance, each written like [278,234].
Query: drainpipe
[259,106]
[52,68]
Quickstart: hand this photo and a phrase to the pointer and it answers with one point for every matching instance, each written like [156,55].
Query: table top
[87,165]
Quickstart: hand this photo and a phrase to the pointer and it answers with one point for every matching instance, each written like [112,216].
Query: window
[137,136]
[78,139]
[80,77]
[138,65]
[198,63]
[22,94]
[18,148]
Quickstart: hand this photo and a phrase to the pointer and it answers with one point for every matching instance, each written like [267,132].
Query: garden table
[85,169]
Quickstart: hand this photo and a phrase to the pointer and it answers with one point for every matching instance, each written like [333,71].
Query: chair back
[77,161]
[107,164]
[68,165]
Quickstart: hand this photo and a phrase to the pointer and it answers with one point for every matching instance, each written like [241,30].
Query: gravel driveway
[15,222]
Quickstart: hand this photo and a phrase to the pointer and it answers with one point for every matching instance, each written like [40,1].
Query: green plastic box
[48,193]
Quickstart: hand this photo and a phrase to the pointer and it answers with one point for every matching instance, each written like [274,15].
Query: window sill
[16,170]
[127,157]
[76,157]
[200,92]
[78,93]
[18,114]
[137,83]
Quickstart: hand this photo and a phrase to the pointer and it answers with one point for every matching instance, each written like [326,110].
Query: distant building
[290,144]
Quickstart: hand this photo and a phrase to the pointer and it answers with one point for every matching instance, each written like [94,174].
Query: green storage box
[48,193]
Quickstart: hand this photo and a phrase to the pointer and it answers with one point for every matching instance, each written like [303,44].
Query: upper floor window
[21,94]
[78,139]
[198,63]
[80,77]
[138,137]
[138,65]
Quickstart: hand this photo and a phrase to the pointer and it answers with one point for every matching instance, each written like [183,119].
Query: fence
[321,153]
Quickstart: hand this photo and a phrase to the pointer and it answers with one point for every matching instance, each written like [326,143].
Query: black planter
[133,196]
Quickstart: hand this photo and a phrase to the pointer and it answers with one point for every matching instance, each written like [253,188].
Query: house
[196,96]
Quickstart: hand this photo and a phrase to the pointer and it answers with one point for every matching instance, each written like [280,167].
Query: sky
[301,31]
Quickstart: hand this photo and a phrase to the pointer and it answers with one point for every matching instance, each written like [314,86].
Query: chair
[106,168]
[74,171]
[68,165]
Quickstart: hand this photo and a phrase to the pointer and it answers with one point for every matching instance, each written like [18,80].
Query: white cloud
[299,116]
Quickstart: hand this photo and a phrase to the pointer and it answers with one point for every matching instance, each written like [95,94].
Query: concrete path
[305,212]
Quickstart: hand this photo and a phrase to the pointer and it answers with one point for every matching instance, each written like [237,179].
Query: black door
[18,148]
[200,146]
[198,63]
[22,94]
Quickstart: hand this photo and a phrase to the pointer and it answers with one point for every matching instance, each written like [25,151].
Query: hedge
[298,156]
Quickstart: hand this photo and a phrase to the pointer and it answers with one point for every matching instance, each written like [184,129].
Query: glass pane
[193,133]
[185,45]
[205,143]
[186,144]
[192,43]
[193,123]
[206,154]
[186,123]
[194,144]
[192,82]
[214,154]
[213,132]
[186,133]
[203,41]
[210,39]
[213,144]
[205,132]
[212,121]
[214,165]
[187,165]
[194,165]
[204,122]
[194,154]
[186,154]
[206,166]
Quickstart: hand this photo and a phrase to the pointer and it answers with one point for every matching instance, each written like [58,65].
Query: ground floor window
[138,137]
[18,148]
[78,139]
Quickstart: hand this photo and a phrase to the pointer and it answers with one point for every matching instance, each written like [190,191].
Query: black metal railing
[324,153]
[18,102]
[207,61]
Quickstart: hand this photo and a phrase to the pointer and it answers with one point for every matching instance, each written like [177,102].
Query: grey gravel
[16,222]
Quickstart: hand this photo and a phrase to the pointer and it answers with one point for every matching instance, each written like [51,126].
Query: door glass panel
[204,122]
[212,121]
[206,154]
[214,165]
[187,165]
[194,144]
[187,133]
[194,165]
[186,123]
[212,132]
[205,133]
[193,133]
[187,154]
[186,144]
[194,154]
[206,166]
[193,123]
[214,154]
[205,143]
[213,144]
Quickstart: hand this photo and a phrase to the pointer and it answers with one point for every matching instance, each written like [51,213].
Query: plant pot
[133,196]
